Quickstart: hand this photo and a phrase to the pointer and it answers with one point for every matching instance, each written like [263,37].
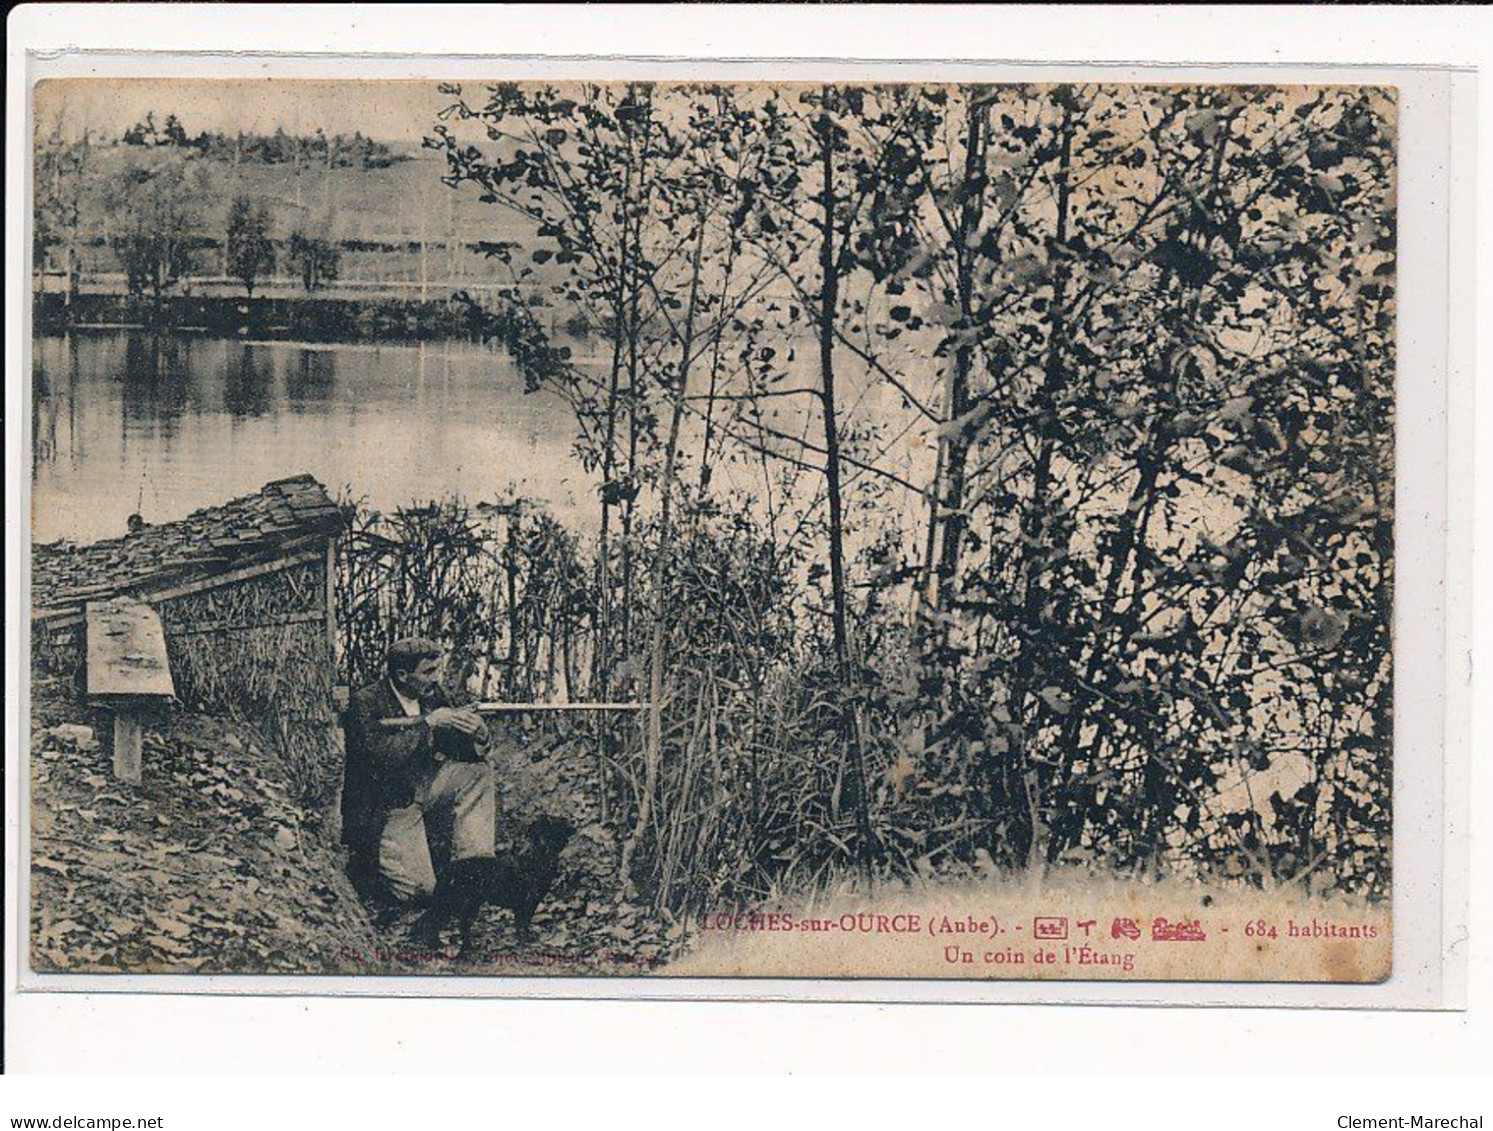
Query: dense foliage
[989,477]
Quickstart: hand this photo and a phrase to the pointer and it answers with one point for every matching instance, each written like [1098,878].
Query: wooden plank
[127,743]
[190,628]
[228,577]
[66,615]
[519,708]
[500,708]
[331,611]
[126,649]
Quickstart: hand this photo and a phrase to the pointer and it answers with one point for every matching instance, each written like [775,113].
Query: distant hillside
[403,201]
[396,225]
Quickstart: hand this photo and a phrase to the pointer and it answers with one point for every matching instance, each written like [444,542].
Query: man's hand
[463,719]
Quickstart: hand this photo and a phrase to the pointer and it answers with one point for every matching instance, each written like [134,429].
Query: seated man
[412,756]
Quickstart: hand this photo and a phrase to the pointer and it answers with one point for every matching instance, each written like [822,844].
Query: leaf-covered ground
[209,867]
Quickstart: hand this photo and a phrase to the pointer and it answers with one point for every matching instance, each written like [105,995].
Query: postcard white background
[105,1032]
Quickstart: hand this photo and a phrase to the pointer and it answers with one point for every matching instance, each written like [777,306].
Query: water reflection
[154,383]
[248,384]
[165,424]
[43,419]
[311,379]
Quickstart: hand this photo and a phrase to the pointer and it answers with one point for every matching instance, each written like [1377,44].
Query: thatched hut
[245,592]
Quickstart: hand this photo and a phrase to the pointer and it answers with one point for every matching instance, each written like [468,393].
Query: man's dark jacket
[385,764]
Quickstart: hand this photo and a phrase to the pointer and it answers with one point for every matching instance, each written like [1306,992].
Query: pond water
[126,421]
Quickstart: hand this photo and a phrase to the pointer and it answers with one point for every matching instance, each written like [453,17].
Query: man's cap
[407,652]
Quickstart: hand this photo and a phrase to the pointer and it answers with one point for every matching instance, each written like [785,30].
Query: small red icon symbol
[1183,930]
[1050,928]
[1124,929]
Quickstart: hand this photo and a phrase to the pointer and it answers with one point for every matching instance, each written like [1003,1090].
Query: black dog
[515,880]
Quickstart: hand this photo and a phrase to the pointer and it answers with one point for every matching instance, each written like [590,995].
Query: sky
[383,109]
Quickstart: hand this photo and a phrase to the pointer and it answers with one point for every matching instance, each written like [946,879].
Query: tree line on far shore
[279,148]
[151,215]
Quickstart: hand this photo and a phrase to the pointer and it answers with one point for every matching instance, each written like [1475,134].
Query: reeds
[258,650]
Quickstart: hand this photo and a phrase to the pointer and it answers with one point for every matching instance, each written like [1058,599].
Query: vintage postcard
[713,529]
